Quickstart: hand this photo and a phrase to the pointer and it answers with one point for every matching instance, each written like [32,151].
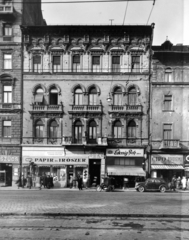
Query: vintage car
[152,184]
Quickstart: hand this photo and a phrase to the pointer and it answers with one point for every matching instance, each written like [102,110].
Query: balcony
[41,140]
[170,144]
[125,109]
[46,108]
[123,142]
[86,109]
[10,141]
[6,8]
[67,140]
[10,107]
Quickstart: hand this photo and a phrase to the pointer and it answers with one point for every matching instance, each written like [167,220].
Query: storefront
[186,165]
[125,164]
[166,166]
[64,165]
[9,170]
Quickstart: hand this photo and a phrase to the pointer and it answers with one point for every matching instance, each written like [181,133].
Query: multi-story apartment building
[86,101]
[12,15]
[170,105]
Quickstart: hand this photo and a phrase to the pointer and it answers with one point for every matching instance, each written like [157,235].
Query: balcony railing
[125,108]
[86,108]
[47,108]
[10,106]
[9,140]
[122,142]
[66,140]
[170,143]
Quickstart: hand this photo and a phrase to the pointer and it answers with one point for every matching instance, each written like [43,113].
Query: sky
[171,17]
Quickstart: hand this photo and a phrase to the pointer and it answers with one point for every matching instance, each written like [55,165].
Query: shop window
[168,102]
[92,132]
[36,63]
[131,129]
[7,94]
[53,129]
[78,97]
[7,60]
[117,129]
[168,75]
[135,63]
[78,132]
[117,97]
[115,63]
[76,63]
[93,96]
[56,63]
[39,127]
[96,63]
[53,96]
[39,96]
[7,129]
[124,162]
[132,98]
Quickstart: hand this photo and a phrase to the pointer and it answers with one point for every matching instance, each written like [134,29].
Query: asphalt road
[93,228]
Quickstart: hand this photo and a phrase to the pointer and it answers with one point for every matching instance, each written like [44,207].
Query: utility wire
[151,11]
[81,1]
[125,12]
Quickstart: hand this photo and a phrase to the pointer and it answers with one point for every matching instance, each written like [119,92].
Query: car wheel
[141,189]
[99,189]
[162,189]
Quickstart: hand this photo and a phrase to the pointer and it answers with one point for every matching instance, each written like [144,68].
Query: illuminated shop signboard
[9,159]
[57,160]
[125,152]
[166,159]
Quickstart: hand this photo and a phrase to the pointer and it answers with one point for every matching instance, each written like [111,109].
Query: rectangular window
[7,129]
[7,94]
[167,131]
[76,63]
[96,63]
[36,63]
[168,102]
[135,63]
[124,162]
[7,30]
[92,99]
[56,63]
[115,63]
[7,61]
[117,132]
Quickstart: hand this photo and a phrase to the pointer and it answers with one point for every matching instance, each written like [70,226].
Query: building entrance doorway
[94,172]
[8,173]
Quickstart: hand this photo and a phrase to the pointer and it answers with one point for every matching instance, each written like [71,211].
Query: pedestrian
[29,181]
[173,183]
[79,182]
[183,181]
[178,182]
[44,180]
[71,181]
[37,181]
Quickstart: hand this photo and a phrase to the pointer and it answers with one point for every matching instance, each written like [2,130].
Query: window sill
[167,110]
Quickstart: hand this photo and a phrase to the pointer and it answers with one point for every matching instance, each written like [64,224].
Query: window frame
[135,66]
[40,130]
[76,67]
[168,103]
[92,132]
[8,94]
[78,97]
[96,67]
[53,134]
[132,130]
[132,100]
[92,97]
[118,129]
[116,67]
[38,65]
[168,75]
[56,67]
[7,61]
[4,30]
[51,94]
[118,97]
[78,129]
[7,129]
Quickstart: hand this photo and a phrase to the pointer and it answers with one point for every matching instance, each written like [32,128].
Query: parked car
[152,184]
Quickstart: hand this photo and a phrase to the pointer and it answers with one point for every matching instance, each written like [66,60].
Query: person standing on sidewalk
[29,181]
[79,182]
[183,181]
[173,183]
[178,182]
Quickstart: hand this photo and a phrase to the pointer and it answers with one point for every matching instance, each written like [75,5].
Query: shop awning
[125,171]
[169,167]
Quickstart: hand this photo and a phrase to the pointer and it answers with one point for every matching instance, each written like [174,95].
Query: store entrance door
[94,172]
[8,169]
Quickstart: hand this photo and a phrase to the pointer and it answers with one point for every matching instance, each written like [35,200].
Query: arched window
[39,129]
[131,129]
[117,96]
[117,129]
[78,97]
[53,129]
[78,132]
[53,96]
[39,94]
[132,96]
[92,131]
[93,96]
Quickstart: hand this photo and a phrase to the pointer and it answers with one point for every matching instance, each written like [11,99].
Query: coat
[183,181]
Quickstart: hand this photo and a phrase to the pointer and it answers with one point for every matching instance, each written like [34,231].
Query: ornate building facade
[169,125]
[12,15]
[86,101]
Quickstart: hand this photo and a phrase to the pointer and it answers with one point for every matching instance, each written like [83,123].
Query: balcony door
[78,132]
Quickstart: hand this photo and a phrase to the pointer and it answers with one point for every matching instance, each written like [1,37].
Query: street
[62,214]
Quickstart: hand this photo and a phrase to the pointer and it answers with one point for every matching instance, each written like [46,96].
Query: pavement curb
[94,215]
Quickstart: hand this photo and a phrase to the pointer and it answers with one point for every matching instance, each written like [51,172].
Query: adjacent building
[12,15]
[170,111]
[86,101]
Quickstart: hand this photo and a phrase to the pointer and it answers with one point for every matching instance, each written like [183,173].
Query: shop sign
[166,159]
[9,159]
[186,169]
[187,160]
[70,160]
[124,152]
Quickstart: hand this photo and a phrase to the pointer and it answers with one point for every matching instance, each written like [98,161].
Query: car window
[157,181]
[150,181]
